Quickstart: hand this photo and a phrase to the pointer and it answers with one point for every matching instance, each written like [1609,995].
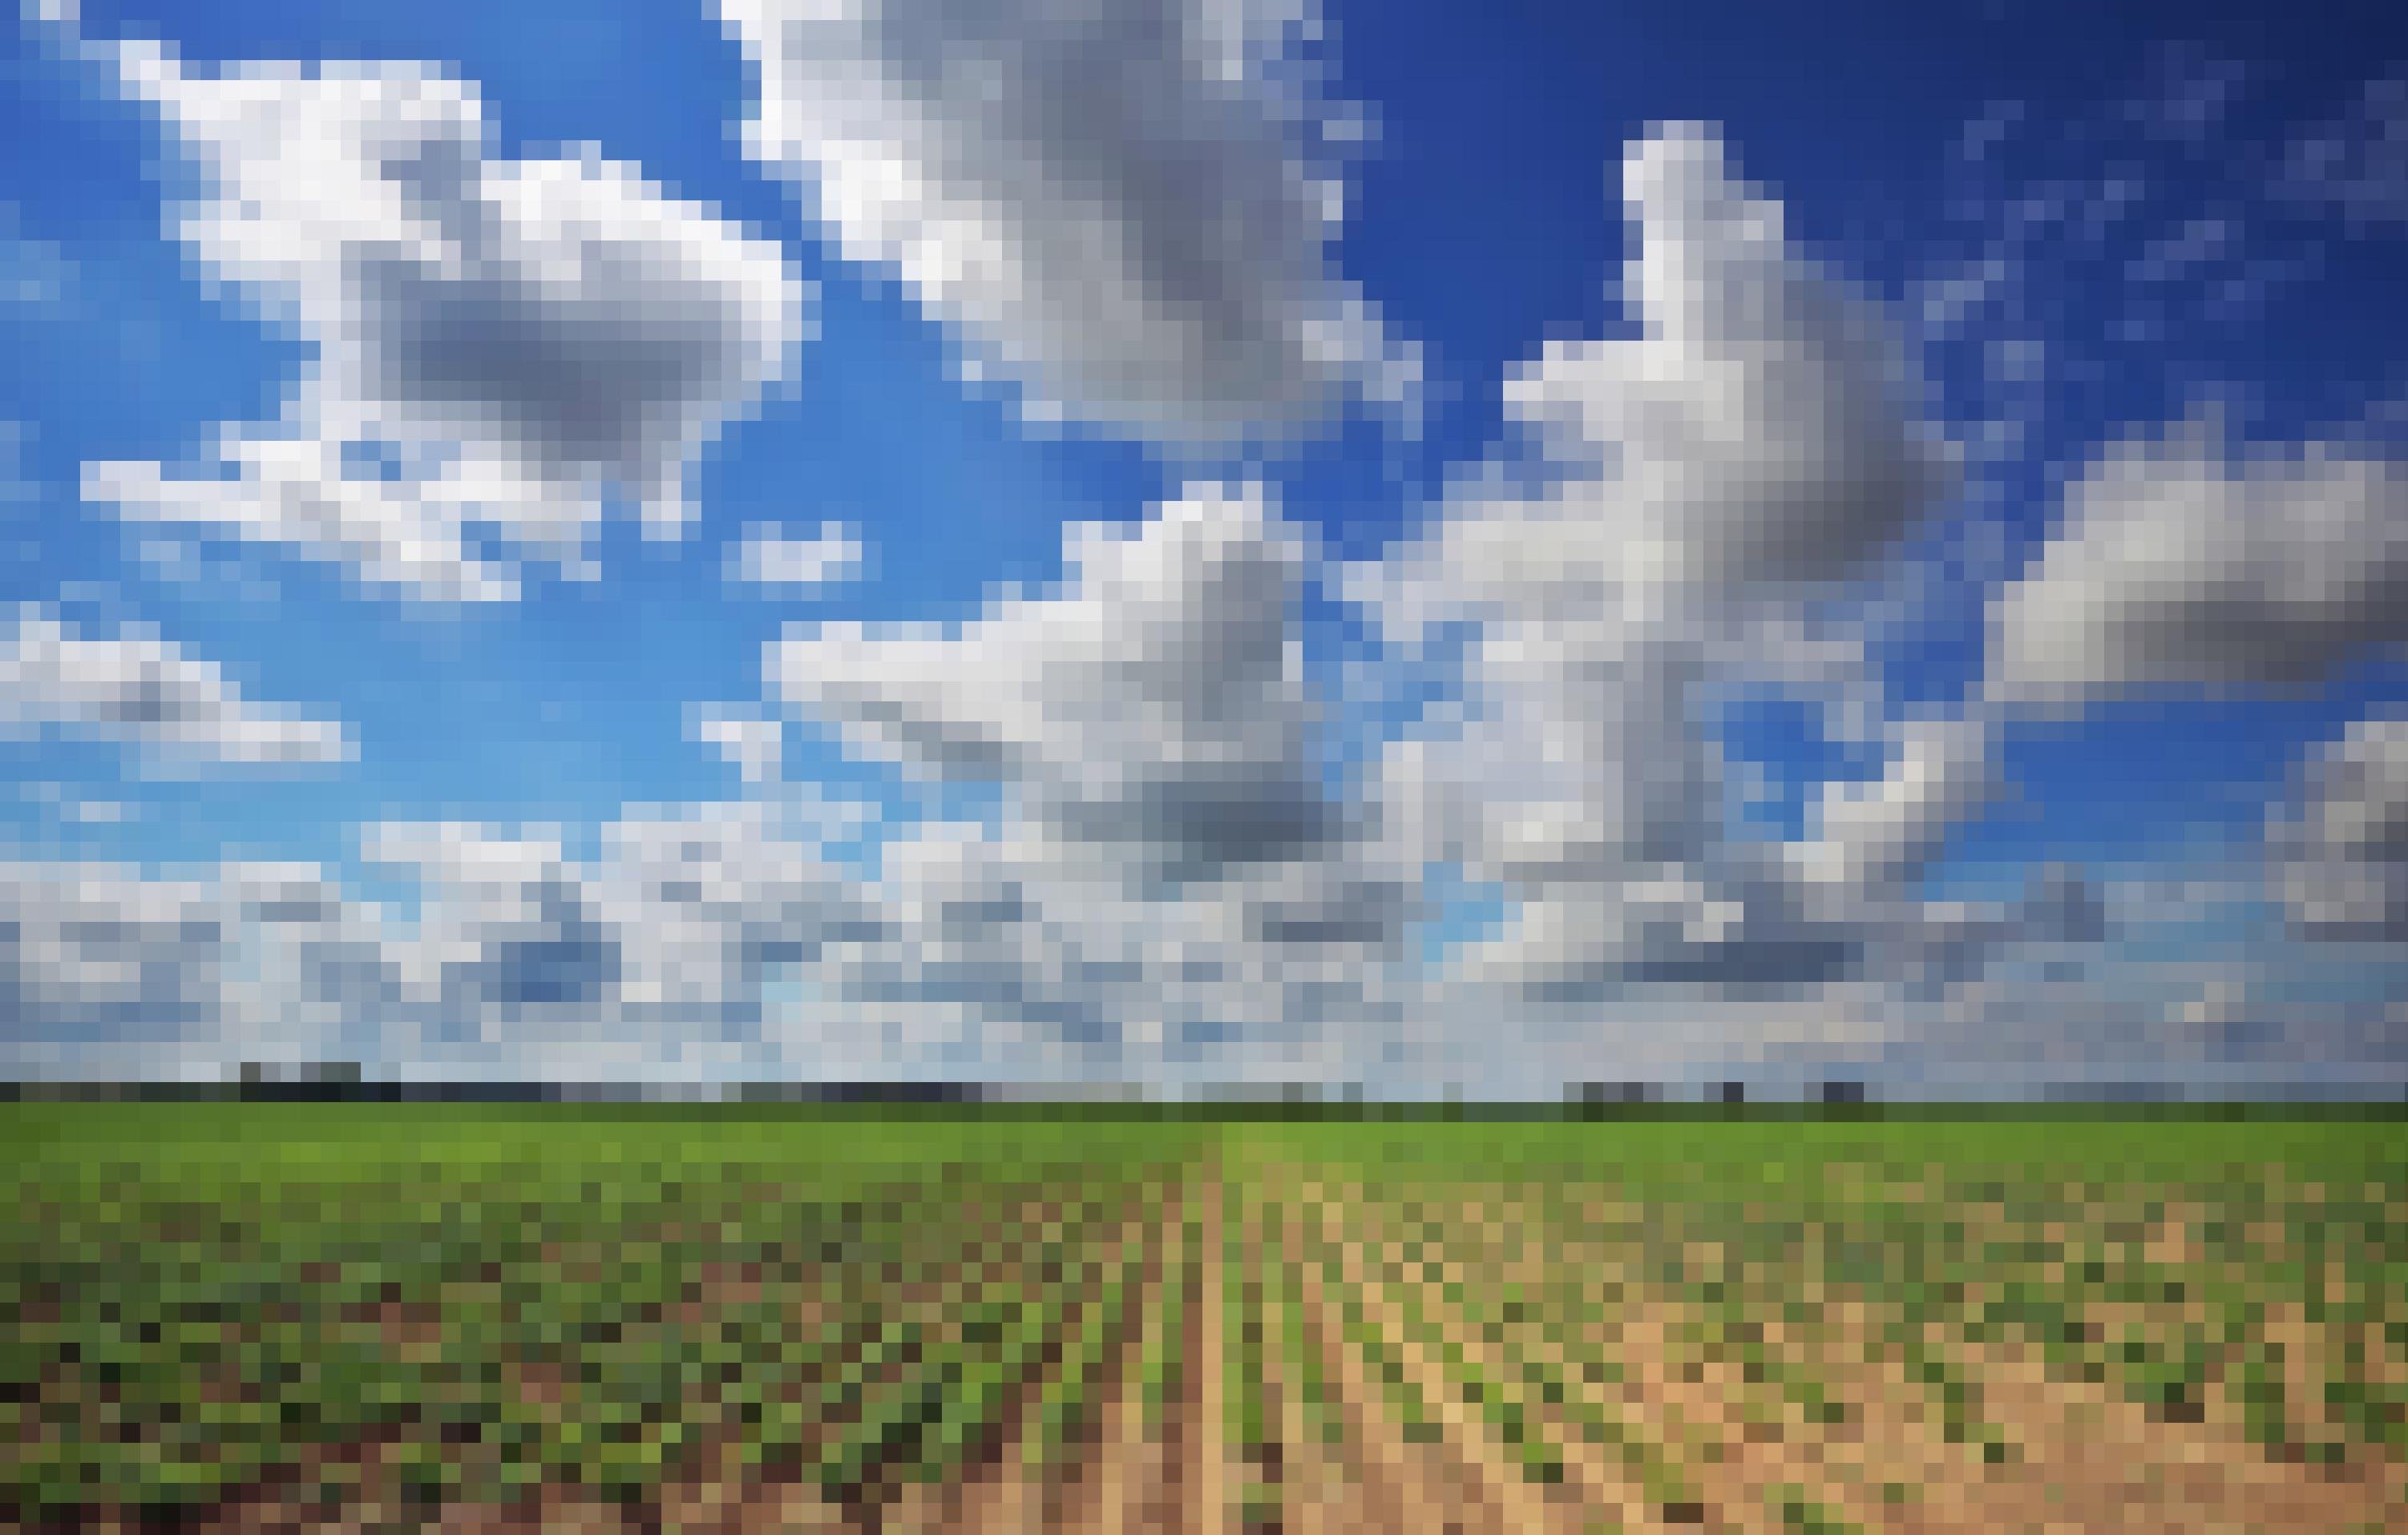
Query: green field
[234,1314]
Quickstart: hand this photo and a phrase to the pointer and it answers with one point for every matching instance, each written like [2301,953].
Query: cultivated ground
[249,1316]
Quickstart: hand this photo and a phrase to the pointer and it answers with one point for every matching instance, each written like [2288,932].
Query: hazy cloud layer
[105,971]
[715,943]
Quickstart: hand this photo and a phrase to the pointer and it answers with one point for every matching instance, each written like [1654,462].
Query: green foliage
[200,1298]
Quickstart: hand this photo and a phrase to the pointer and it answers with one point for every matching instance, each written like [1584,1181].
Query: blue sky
[1858,520]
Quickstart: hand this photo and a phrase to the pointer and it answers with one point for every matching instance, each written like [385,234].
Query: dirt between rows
[1599,1485]
[2082,1456]
[1472,1458]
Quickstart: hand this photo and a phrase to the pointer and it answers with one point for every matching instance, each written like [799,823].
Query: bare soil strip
[1751,1468]
[1206,1473]
[1403,1485]
[1318,1496]
[987,1490]
[2090,1447]
[1747,1456]
[1149,1462]
[1649,1369]
[779,1493]
[1888,1462]
[1756,1456]
[2087,1440]
[2086,1455]
[996,1490]
[1262,1471]
[1107,1487]
[1496,1484]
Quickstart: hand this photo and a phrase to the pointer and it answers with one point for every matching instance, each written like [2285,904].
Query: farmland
[242,1316]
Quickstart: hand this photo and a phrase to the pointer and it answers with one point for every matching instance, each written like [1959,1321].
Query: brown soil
[1118,1485]
[1403,1485]
[2082,1457]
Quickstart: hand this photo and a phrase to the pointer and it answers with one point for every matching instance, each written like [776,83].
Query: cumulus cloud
[1175,886]
[1156,854]
[2182,564]
[1748,452]
[2341,852]
[498,342]
[135,690]
[652,953]
[1754,431]
[506,967]
[1154,712]
[508,932]
[1178,886]
[514,959]
[1127,205]
[707,941]
[772,559]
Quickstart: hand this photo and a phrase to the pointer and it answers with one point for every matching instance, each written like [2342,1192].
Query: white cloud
[508,934]
[497,341]
[1756,430]
[1162,876]
[2183,565]
[1171,891]
[1123,913]
[1940,772]
[138,691]
[714,941]
[1727,487]
[1744,453]
[753,744]
[650,957]
[788,565]
[105,971]
[1121,202]
[709,903]
[2341,852]
[1156,711]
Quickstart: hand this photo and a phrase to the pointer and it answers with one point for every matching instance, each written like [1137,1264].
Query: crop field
[257,1316]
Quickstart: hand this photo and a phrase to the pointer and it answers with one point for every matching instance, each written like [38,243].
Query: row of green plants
[615,1321]
[164,1351]
[1976,1260]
